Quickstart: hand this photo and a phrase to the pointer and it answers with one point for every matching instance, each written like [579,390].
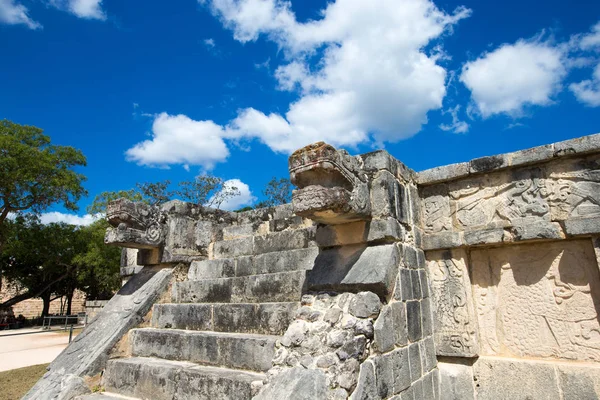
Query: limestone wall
[32,308]
[512,248]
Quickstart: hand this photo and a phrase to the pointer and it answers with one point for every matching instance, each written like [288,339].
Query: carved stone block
[454,314]
[538,300]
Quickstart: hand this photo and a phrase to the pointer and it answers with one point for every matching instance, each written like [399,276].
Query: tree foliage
[34,173]
[55,259]
[277,192]
[207,190]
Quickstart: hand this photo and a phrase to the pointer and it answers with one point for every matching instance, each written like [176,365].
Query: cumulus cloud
[72,219]
[513,76]
[177,139]
[87,9]
[242,199]
[588,91]
[13,13]
[360,71]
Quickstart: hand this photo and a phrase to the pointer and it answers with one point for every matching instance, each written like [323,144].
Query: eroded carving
[135,225]
[455,320]
[332,187]
[539,300]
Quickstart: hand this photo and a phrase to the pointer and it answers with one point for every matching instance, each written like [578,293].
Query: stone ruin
[477,280]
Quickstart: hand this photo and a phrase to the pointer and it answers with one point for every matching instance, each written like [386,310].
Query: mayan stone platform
[478,280]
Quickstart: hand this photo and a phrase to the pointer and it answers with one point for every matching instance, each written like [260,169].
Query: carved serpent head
[135,225]
[332,186]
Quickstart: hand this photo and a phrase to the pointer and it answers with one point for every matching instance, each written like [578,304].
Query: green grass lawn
[16,382]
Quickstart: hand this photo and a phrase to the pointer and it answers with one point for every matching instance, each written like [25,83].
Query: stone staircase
[216,339]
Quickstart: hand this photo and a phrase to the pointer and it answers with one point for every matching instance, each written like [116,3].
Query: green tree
[51,261]
[34,173]
[277,192]
[207,190]
[37,257]
[98,205]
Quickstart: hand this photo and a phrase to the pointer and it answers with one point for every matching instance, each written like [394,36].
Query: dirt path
[17,351]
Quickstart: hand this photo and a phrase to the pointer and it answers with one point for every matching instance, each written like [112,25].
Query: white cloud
[457,126]
[72,219]
[588,91]
[209,43]
[591,40]
[361,73]
[87,9]
[244,197]
[177,139]
[13,13]
[528,72]
[372,76]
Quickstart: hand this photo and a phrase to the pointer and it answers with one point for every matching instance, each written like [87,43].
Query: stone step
[265,318]
[104,396]
[230,350]
[268,263]
[277,287]
[156,379]
[259,244]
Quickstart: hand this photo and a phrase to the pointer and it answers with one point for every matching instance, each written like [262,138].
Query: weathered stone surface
[366,388]
[212,269]
[285,240]
[384,330]
[384,195]
[384,374]
[399,321]
[484,236]
[487,164]
[531,230]
[445,173]
[278,287]
[582,226]
[364,305]
[414,361]
[88,352]
[232,350]
[580,145]
[413,320]
[291,260]
[429,359]
[234,248]
[237,231]
[296,384]
[355,268]
[495,379]
[400,369]
[579,382]
[443,240]
[454,315]
[530,296]
[404,288]
[148,378]
[456,381]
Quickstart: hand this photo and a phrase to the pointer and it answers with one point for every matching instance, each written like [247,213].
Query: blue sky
[153,90]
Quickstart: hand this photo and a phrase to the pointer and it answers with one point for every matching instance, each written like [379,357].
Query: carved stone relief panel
[502,199]
[573,187]
[436,210]
[454,313]
[538,300]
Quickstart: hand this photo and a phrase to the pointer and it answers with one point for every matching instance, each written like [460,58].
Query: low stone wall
[32,308]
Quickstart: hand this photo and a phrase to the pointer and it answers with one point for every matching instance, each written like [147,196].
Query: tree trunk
[69,302]
[46,296]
